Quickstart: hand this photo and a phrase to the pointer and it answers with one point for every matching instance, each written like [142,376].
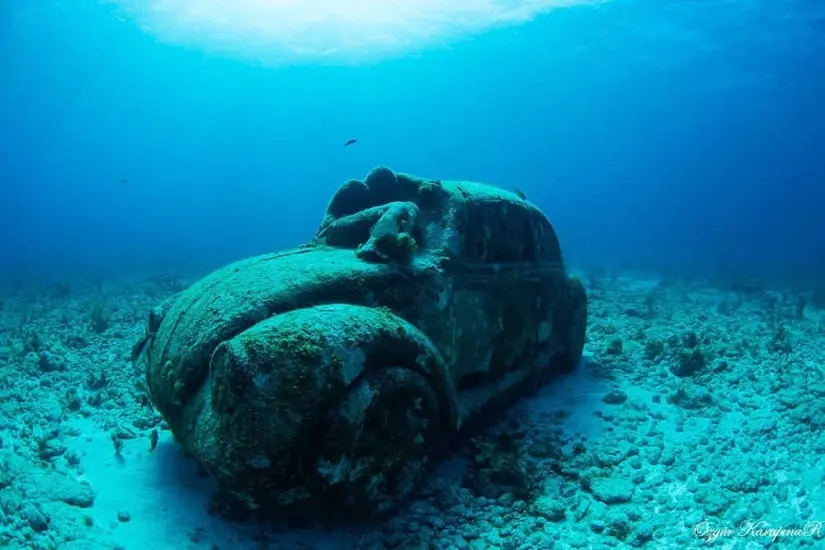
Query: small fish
[350,142]
[123,181]
[520,194]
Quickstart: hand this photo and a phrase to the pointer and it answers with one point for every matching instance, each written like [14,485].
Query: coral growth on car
[325,381]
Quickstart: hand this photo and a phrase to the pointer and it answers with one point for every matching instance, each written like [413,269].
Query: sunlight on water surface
[327,31]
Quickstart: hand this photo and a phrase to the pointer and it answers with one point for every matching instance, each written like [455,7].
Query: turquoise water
[676,147]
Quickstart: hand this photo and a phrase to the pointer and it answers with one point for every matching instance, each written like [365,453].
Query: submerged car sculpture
[325,381]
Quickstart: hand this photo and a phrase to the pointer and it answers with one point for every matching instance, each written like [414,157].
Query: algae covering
[324,382]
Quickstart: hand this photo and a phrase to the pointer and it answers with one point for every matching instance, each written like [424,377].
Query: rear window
[498,231]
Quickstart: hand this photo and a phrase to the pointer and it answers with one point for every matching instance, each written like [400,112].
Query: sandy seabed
[695,420]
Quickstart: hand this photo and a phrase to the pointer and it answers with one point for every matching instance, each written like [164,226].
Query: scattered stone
[35,517]
[549,509]
[615,347]
[690,361]
[71,491]
[9,468]
[611,490]
[614,397]
[691,397]
[50,362]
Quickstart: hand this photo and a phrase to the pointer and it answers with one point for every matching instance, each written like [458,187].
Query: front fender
[327,409]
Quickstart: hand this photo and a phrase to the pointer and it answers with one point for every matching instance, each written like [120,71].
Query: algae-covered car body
[326,380]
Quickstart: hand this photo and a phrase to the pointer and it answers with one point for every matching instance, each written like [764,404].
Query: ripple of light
[336,31]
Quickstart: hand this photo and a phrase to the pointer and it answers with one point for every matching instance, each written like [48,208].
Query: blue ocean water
[671,143]
[685,135]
